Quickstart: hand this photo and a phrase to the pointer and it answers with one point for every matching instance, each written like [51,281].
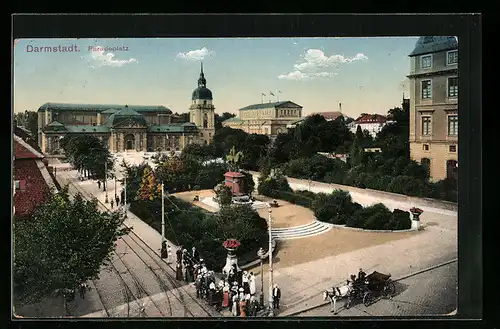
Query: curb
[374,231]
[395,280]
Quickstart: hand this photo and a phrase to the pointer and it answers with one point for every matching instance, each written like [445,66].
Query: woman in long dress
[245,284]
[243,307]
[235,306]
[225,298]
[251,282]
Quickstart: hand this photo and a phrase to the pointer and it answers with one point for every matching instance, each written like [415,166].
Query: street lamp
[105,181]
[260,254]
[125,194]
[271,310]
[164,251]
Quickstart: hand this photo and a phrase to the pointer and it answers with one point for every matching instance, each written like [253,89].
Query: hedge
[189,226]
[338,208]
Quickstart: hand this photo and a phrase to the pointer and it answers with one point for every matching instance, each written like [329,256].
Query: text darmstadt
[52,49]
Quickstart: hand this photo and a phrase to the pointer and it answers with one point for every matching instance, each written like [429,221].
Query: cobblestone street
[430,293]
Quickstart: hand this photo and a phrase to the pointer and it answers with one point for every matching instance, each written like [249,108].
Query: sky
[365,75]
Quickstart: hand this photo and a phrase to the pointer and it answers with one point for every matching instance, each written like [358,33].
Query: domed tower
[202,111]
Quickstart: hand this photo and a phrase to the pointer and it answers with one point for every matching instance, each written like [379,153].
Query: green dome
[125,114]
[202,93]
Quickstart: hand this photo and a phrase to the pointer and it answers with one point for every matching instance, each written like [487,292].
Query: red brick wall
[35,190]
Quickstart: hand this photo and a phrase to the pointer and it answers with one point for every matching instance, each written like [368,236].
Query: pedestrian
[243,307]
[82,290]
[211,293]
[111,204]
[276,297]
[184,256]
[99,184]
[117,199]
[195,254]
[122,196]
[196,269]
[245,284]
[178,253]
[254,306]
[178,272]
[190,273]
[231,275]
[251,283]
[235,306]
[198,286]
[225,295]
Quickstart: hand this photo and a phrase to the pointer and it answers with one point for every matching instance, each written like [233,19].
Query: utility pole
[125,194]
[105,181]
[271,309]
[164,251]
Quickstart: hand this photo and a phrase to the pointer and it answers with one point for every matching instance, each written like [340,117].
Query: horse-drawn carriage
[373,286]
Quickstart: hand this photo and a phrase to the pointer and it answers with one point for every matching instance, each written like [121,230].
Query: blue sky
[364,74]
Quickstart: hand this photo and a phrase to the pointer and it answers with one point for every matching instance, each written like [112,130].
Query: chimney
[340,107]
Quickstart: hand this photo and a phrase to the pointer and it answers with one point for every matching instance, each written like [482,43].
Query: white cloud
[100,58]
[196,55]
[295,75]
[315,64]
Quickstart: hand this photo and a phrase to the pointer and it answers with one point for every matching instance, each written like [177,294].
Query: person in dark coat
[178,272]
[99,184]
[122,196]
[276,297]
[195,254]
[178,253]
[117,199]
[189,270]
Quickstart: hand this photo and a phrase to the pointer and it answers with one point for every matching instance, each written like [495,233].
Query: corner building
[434,105]
[128,127]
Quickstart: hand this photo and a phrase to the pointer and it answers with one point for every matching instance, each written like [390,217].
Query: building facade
[267,118]
[373,123]
[434,105]
[128,128]
[32,182]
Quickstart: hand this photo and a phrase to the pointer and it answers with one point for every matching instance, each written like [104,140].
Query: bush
[407,185]
[333,208]
[336,177]
[196,188]
[400,220]
[374,217]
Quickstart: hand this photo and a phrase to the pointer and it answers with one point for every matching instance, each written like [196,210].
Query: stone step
[301,229]
[302,233]
[296,227]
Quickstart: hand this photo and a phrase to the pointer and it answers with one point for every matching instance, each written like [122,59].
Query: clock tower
[202,110]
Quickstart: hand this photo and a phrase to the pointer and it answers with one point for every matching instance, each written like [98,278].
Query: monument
[234,179]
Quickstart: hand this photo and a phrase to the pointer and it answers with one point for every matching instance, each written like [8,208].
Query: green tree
[64,244]
[149,189]
[234,158]
[28,120]
[221,118]
[224,195]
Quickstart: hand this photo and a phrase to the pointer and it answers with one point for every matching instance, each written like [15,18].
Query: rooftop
[266,105]
[432,44]
[329,115]
[101,107]
[23,150]
[371,118]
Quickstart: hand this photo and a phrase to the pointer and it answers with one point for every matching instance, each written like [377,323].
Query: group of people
[235,291]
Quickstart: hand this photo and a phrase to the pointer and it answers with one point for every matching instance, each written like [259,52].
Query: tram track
[160,263]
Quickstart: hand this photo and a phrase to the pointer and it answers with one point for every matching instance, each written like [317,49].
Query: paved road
[426,294]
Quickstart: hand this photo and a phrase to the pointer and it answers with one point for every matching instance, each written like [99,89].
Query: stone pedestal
[230,260]
[415,221]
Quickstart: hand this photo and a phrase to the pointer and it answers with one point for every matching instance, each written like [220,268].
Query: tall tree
[64,244]
[28,120]
[223,117]
[149,189]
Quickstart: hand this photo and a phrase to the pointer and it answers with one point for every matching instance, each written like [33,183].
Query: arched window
[204,102]
[452,169]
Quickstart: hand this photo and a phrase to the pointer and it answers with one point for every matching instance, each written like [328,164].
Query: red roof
[329,115]
[23,150]
[371,118]
[34,189]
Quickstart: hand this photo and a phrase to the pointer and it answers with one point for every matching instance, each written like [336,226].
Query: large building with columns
[129,127]
[269,119]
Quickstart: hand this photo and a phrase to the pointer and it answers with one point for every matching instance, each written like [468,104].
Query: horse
[339,293]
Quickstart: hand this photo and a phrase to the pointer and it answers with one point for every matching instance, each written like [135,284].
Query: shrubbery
[192,226]
[338,208]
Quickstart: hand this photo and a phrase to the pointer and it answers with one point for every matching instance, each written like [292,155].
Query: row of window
[451,148]
[451,167]
[451,59]
[288,113]
[452,125]
[452,88]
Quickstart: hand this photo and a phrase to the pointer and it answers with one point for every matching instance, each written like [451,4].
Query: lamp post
[115,187]
[163,252]
[271,310]
[125,194]
[105,180]
[260,254]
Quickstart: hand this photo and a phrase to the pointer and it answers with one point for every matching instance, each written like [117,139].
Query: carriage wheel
[389,289]
[367,299]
